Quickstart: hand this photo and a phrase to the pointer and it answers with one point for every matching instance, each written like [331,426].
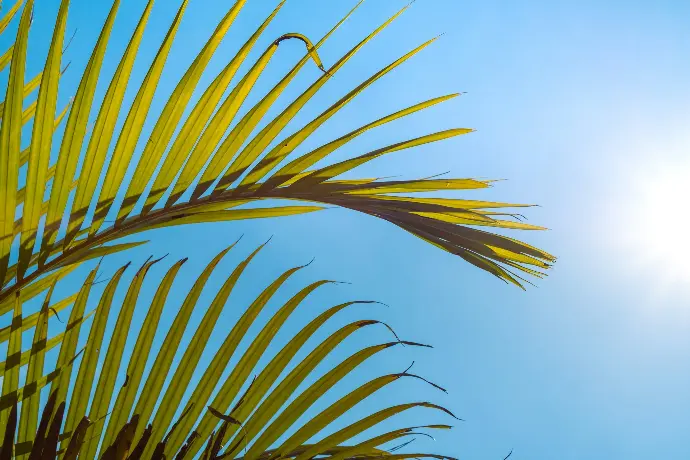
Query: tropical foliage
[62,207]
[117,416]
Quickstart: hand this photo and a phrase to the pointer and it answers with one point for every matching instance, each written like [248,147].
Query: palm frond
[212,165]
[205,173]
[239,411]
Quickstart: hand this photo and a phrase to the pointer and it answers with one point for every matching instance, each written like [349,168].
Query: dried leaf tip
[438,387]
[311,49]
[69,42]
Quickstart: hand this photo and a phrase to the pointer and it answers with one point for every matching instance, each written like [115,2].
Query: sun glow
[656,222]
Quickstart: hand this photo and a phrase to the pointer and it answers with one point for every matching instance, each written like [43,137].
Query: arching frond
[239,410]
[217,164]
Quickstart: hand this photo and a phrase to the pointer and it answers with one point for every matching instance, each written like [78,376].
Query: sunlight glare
[656,231]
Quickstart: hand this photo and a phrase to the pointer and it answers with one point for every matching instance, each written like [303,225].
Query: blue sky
[575,103]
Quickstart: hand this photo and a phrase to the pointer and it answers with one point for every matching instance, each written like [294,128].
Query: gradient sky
[577,104]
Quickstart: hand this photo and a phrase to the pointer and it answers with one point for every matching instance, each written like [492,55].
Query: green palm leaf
[226,422]
[208,166]
[179,178]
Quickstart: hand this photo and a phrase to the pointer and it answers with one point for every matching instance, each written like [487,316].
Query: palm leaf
[205,167]
[180,381]
[163,362]
[29,415]
[73,137]
[11,137]
[111,364]
[180,177]
[10,377]
[83,384]
[9,15]
[125,398]
[69,344]
[225,422]
[104,128]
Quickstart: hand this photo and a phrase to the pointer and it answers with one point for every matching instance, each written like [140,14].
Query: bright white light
[655,226]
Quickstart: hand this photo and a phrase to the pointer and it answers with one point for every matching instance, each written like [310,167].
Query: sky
[581,106]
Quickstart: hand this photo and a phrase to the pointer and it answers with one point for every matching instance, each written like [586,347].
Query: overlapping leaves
[62,207]
[241,410]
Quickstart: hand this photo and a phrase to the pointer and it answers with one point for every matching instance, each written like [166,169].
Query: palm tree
[220,167]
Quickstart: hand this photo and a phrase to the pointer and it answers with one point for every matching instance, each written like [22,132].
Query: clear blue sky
[568,97]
